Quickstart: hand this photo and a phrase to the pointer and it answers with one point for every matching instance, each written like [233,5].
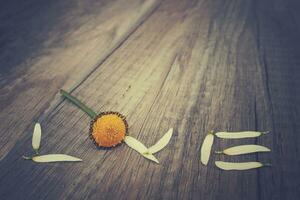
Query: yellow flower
[108,129]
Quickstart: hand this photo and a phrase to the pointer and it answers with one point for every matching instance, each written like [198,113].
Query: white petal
[151,157]
[36,137]
[206,148]
[139,147]
[135,144]
[55,158]
[239,166]
[161,143]
[244,149]
[239,135]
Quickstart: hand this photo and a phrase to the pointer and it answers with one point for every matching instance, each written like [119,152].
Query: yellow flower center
[108,129]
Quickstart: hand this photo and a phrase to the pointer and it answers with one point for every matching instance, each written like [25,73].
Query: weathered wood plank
[172,58]
[194,66]
[49,45]
[278,108]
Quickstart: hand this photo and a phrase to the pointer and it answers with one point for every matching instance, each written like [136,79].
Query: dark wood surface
[195,66]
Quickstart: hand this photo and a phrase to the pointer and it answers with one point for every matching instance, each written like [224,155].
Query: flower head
[108,129]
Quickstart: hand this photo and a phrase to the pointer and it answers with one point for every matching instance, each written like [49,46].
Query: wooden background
[192,65]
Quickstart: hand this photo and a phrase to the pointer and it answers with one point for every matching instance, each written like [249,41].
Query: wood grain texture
[49,45]
[195,66]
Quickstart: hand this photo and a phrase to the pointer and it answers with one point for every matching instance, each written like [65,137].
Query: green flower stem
[78,103]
